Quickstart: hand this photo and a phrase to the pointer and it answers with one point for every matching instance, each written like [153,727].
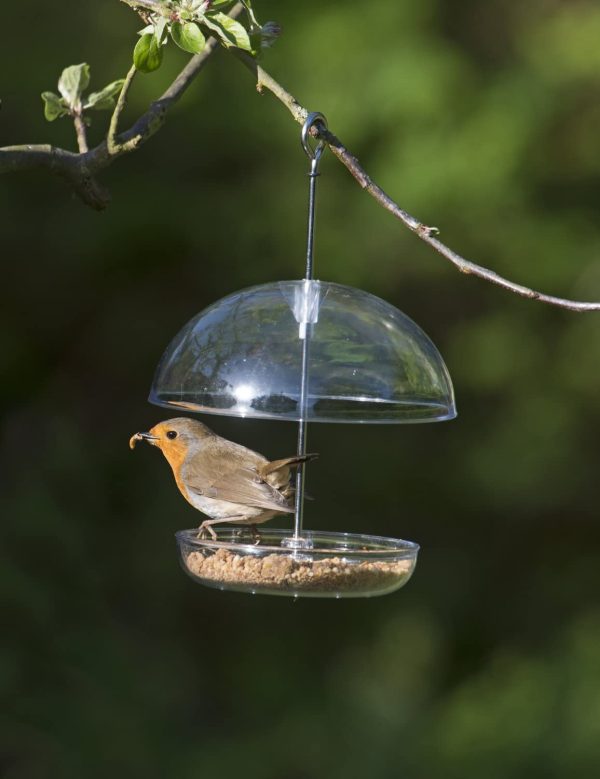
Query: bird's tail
[288,462]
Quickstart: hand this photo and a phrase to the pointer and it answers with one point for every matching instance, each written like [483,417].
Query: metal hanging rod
[314,154]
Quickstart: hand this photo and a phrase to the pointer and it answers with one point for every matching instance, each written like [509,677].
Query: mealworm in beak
[134,439]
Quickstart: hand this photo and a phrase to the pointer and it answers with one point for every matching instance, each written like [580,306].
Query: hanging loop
[313,154]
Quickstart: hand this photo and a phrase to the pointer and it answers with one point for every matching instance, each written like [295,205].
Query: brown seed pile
[284,572]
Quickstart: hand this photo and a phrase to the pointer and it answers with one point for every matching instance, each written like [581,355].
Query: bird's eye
[172,434]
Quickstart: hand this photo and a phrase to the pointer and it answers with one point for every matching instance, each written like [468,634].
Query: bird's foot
[206,531]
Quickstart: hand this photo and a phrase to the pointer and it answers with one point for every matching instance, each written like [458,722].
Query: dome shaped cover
[367,361]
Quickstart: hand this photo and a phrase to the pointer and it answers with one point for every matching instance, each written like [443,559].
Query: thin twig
[81,132]
[424,232]
[111,139]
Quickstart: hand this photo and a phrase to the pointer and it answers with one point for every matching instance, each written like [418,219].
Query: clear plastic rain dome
[362,359]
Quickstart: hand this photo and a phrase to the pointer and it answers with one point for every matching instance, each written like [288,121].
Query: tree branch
[424,232]
[65,164]
[78,170]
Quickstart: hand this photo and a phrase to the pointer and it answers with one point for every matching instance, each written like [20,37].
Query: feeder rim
[396,548]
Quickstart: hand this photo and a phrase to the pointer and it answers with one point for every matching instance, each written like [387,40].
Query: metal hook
[314,155]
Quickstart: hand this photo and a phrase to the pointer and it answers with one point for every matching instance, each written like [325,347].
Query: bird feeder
[303,351]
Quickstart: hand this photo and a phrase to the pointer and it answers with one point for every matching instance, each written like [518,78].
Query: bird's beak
[142,437]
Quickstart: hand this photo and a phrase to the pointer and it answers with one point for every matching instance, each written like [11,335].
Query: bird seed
[285,572]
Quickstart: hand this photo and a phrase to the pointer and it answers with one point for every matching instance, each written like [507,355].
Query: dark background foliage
[481,118]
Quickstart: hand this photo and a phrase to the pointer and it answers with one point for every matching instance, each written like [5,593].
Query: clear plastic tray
[318,565]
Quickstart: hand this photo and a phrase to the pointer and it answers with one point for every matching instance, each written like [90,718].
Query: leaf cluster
[72,83]
[188,23]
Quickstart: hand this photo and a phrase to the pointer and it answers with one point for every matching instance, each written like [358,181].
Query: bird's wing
[245,486]
[238,485]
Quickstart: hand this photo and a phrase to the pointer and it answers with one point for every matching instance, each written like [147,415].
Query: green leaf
[104,100]
[221,3]
[248,6]
[256,42]
[148,53]
[188,37]
[73,81]
[54,107]
[232,33]
[159,29]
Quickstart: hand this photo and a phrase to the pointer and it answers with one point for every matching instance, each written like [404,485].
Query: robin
[222,479]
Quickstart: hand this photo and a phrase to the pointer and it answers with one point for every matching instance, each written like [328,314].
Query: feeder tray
[306,351]
[315,565]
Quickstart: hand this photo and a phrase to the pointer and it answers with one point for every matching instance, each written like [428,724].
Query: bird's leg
[206,526]
[205,529]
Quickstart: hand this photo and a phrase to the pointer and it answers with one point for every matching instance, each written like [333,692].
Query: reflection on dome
[367,361]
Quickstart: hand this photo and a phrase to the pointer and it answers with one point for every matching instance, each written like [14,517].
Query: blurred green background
[480,118]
